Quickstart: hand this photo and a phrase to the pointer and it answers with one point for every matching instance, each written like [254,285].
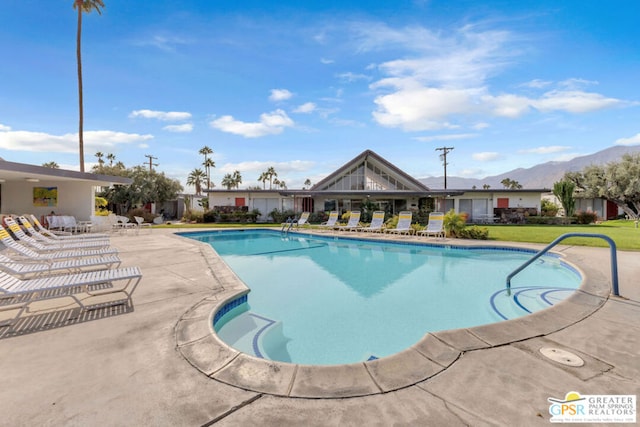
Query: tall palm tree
[52,165]
[205,151]
[111,157]
[196,178]
[100,155]
[237,178]
[271,173]
[82,6]
[264,178]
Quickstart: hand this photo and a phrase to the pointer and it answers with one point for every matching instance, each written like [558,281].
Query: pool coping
[432,355]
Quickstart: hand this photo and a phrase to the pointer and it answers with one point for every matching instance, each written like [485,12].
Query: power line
[151,159]
[443,157]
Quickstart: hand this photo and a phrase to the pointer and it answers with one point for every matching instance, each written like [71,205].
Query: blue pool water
[326,300]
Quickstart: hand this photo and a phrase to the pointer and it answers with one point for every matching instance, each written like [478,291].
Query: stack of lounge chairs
[37,264]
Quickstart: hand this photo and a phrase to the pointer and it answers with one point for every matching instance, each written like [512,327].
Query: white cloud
[307,107]
[4,128]
[510,106]
[101,140]
[187,127]
[575,83]
[280,95]
[634,140]
[449,137]
[271,123]
[167,43]
[480,126]
[574,101]
[486,156]
[165,116]
[546,150]
[470,173]
[537,84]
[350,77]
[326,61]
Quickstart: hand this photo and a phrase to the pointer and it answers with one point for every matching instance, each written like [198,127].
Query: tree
[52,165]
[264,178]
[307,183]
[208,163]
[618,182]
[563,190]
[99,155]
[268,175]
[486,186]
[196,178]
[83,6]
[227,181]
[511,184]
[111,157]
[237,178]
[147,186]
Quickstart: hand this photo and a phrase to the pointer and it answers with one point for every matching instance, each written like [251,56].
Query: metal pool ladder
[614,258]
[286,226]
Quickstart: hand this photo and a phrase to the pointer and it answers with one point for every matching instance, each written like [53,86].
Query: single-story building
[369,178]
[41,190]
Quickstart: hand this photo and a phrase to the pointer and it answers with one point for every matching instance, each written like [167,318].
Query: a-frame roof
[369,172]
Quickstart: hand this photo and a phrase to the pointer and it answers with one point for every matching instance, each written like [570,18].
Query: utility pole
[443,157]
[151,164]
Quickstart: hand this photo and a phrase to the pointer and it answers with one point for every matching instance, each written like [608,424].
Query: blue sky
[305,86]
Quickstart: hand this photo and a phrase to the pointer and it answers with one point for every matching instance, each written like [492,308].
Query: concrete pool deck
[146,365]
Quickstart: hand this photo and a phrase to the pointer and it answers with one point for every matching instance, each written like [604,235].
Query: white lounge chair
[377,223]
[24,268]
[65,235]
[18,293]
[435,226]
[58,240]
[331,222]
[17,231]
[28,252]
[303,220]
[404,224]
[353,223]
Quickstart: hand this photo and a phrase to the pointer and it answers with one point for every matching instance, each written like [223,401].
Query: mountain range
[536,177]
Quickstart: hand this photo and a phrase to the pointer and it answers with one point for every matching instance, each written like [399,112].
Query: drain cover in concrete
[562,356]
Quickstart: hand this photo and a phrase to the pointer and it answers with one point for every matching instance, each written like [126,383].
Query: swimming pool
[325,300]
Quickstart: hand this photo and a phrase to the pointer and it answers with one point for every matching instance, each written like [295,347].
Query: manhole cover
[562,356]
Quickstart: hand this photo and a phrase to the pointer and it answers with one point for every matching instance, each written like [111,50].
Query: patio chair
[377,223]
[24,268]
[66,240]
[140,224]
[435,226]
[62,237]
[31,253]
[404,224]
[18,294]
[123,224]
[331,222]
[353,223]
[303,220]
[17,231]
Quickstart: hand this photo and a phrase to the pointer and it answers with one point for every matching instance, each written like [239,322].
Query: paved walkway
[135,365]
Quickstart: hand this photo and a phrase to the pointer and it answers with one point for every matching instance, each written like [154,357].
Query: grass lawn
[622,232]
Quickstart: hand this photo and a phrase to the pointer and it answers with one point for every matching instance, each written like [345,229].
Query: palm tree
[264,178]
[227,181]
[99,155]
[205,151]
[111,158]
[82,6]
[271,173]
[52,165]
[196,178]
[307,183]
[237,179]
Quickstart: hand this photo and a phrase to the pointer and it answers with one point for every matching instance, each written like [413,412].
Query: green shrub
[278,216]
[210,216]
[474,232]
[148,216]
[548,208]
[453,223]
[586,217]
[318,217]
[193,216]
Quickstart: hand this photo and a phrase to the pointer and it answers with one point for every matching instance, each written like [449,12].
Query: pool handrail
[614,258]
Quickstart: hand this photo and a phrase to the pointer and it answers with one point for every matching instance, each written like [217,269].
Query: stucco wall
[74,198]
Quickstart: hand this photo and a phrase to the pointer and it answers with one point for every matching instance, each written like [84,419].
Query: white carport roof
[11,171]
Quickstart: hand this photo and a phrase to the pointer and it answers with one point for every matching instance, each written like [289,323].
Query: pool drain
[562,356]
